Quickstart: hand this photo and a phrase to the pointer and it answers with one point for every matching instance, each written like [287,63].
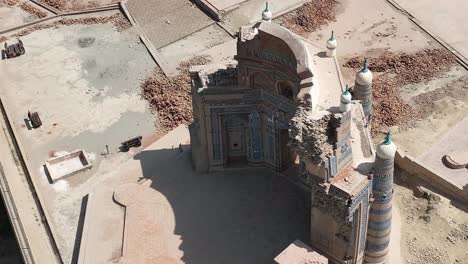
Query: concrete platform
[445,19]
[299,253]
[217,8]
[166,21]
[455,139]
[250,215]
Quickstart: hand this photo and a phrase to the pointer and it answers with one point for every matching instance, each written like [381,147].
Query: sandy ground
[14,16]
[85,83]
[445,20]
[433,230]
[445,114]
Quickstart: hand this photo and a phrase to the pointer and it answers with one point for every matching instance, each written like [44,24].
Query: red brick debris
[170,98]
[395,71]
[77,5]
[119,21]
[310,16]
[33,10]
[8,2]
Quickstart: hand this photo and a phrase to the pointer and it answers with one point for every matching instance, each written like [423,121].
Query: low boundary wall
[430,176]
[29,179]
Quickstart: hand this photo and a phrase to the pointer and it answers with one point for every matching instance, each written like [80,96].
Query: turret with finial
[266,14]
[345,100]
[331,46]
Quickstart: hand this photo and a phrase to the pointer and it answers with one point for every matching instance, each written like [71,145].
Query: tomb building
[282,105]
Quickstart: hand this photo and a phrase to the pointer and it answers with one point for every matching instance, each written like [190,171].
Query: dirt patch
[433,230]
[310,16]
[76,5]
[170,98]
[8,2]
[394,71]
[118,21]
[425,102]
[33,10]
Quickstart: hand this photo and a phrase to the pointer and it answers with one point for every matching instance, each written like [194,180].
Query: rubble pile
[171,97]
[8,2]
[33,10]
[59,4]
[118,21]
[76,5]
[398,70]
[310,16]
[311,137]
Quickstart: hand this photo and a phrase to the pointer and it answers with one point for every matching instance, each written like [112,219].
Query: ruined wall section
[332,225]
[322,140]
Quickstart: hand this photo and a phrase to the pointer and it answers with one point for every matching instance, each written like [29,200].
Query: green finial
[346,92]
[332,37]
[388,141]
[366,66]
[266,7]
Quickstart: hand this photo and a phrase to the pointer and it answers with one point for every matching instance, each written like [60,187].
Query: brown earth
[434,229]
[8,2]
[392,71]
[310,16]
[76,5]
[170,98]
[33,10]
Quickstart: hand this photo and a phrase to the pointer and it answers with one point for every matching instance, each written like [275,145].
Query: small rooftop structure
[67,165]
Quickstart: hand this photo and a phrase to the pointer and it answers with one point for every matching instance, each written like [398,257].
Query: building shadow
[28,124]
[238,216]
[322,54]
[47,174]
[79,230]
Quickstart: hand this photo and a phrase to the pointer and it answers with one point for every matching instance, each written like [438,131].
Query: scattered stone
[399,70]
[33,10]
[310,16]
[118,21]
[170,97]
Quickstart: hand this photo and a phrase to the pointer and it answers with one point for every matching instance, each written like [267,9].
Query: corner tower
[380,217]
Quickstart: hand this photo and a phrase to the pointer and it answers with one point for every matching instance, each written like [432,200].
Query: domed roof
[364,76]
[386,149]
[266,14]
[331,42]
[346,96]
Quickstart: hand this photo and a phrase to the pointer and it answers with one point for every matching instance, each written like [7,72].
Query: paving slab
[455,139]
[166,21]
[446,19]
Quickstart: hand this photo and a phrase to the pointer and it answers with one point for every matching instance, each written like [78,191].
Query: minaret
[363,90]
[380,216]
[266,14]
[331,46]
[345,100]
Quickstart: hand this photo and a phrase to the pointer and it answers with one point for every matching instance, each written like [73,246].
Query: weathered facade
[283,105]
[242,112]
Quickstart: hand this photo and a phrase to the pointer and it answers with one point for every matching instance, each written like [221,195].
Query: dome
[267,15]
[331,42]
[346,97]
[386,149]
[345,101]
[364,76]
